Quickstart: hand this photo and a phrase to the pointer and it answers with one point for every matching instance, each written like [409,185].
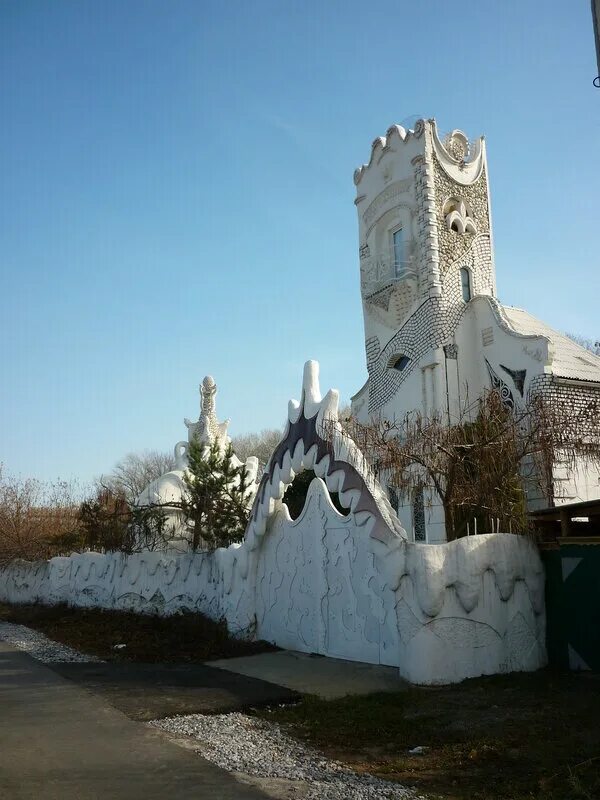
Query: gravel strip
[39,646]
[239,743]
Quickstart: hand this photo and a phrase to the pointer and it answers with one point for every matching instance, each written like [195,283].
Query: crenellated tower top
[422,201]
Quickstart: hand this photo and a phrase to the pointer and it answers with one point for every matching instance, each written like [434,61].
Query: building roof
[590,507]
[569,359]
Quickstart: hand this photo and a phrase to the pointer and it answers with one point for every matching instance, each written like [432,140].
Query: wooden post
[565,523]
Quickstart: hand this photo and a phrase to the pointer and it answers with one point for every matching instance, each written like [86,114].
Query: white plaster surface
[351,587]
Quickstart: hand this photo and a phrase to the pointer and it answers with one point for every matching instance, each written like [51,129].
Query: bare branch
[485,463]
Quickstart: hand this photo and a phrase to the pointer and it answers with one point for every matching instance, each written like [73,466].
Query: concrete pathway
[60,742]
[309,674]
[155,691]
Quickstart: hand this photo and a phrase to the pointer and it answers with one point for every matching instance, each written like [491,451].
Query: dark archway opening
[295,495]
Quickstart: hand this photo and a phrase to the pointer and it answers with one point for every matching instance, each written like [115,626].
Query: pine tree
[215,503]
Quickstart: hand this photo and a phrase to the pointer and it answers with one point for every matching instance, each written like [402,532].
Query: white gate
[317,589]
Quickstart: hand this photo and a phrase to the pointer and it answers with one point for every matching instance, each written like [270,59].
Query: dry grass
[182,638]
[517,737]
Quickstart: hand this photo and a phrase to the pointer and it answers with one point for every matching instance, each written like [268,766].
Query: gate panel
[573,605]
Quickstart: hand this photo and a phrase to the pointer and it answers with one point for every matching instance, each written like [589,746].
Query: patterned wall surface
[347,586]
[321,584]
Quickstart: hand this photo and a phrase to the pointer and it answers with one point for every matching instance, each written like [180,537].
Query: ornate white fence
[346,586]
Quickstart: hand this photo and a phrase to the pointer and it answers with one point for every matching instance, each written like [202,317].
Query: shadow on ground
[152,691]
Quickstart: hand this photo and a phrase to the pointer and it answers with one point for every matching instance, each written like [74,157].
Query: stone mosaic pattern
[453,245]
[430,326]
[577,398]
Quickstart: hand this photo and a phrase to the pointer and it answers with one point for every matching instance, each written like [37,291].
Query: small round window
[400,363]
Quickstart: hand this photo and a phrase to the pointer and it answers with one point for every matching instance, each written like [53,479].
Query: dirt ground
[516,737]
[182,638]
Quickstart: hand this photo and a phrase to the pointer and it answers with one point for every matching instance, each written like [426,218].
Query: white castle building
[435,331]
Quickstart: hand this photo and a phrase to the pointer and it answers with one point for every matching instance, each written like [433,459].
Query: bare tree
[593,345]
[108,522]
[483,465]
[260,445]
[345,413]
[135,471]
[36,517]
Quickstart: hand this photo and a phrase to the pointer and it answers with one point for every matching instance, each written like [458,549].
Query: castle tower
[425,250]
[436,336]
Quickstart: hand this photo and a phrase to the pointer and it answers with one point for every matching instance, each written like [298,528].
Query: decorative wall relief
[349,586]
[487,336]
[385,198]
[497,383]
[475,200]
[458,216]
[457,146]
[518,376]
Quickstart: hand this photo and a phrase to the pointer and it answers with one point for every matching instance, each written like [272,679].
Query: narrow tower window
[419,516]
[398,237]
[465,283]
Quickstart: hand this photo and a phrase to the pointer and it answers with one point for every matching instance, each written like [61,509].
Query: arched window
[419,516]
[465,284]
[458,216]
[399,362]
[398,245]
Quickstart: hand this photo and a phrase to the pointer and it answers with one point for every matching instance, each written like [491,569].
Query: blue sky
[176,197]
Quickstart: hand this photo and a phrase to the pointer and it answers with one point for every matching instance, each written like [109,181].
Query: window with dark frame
[465,284]
[398,240]
[419,516]
[400,363]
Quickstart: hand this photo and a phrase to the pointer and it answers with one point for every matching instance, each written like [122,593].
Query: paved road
[61,742]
